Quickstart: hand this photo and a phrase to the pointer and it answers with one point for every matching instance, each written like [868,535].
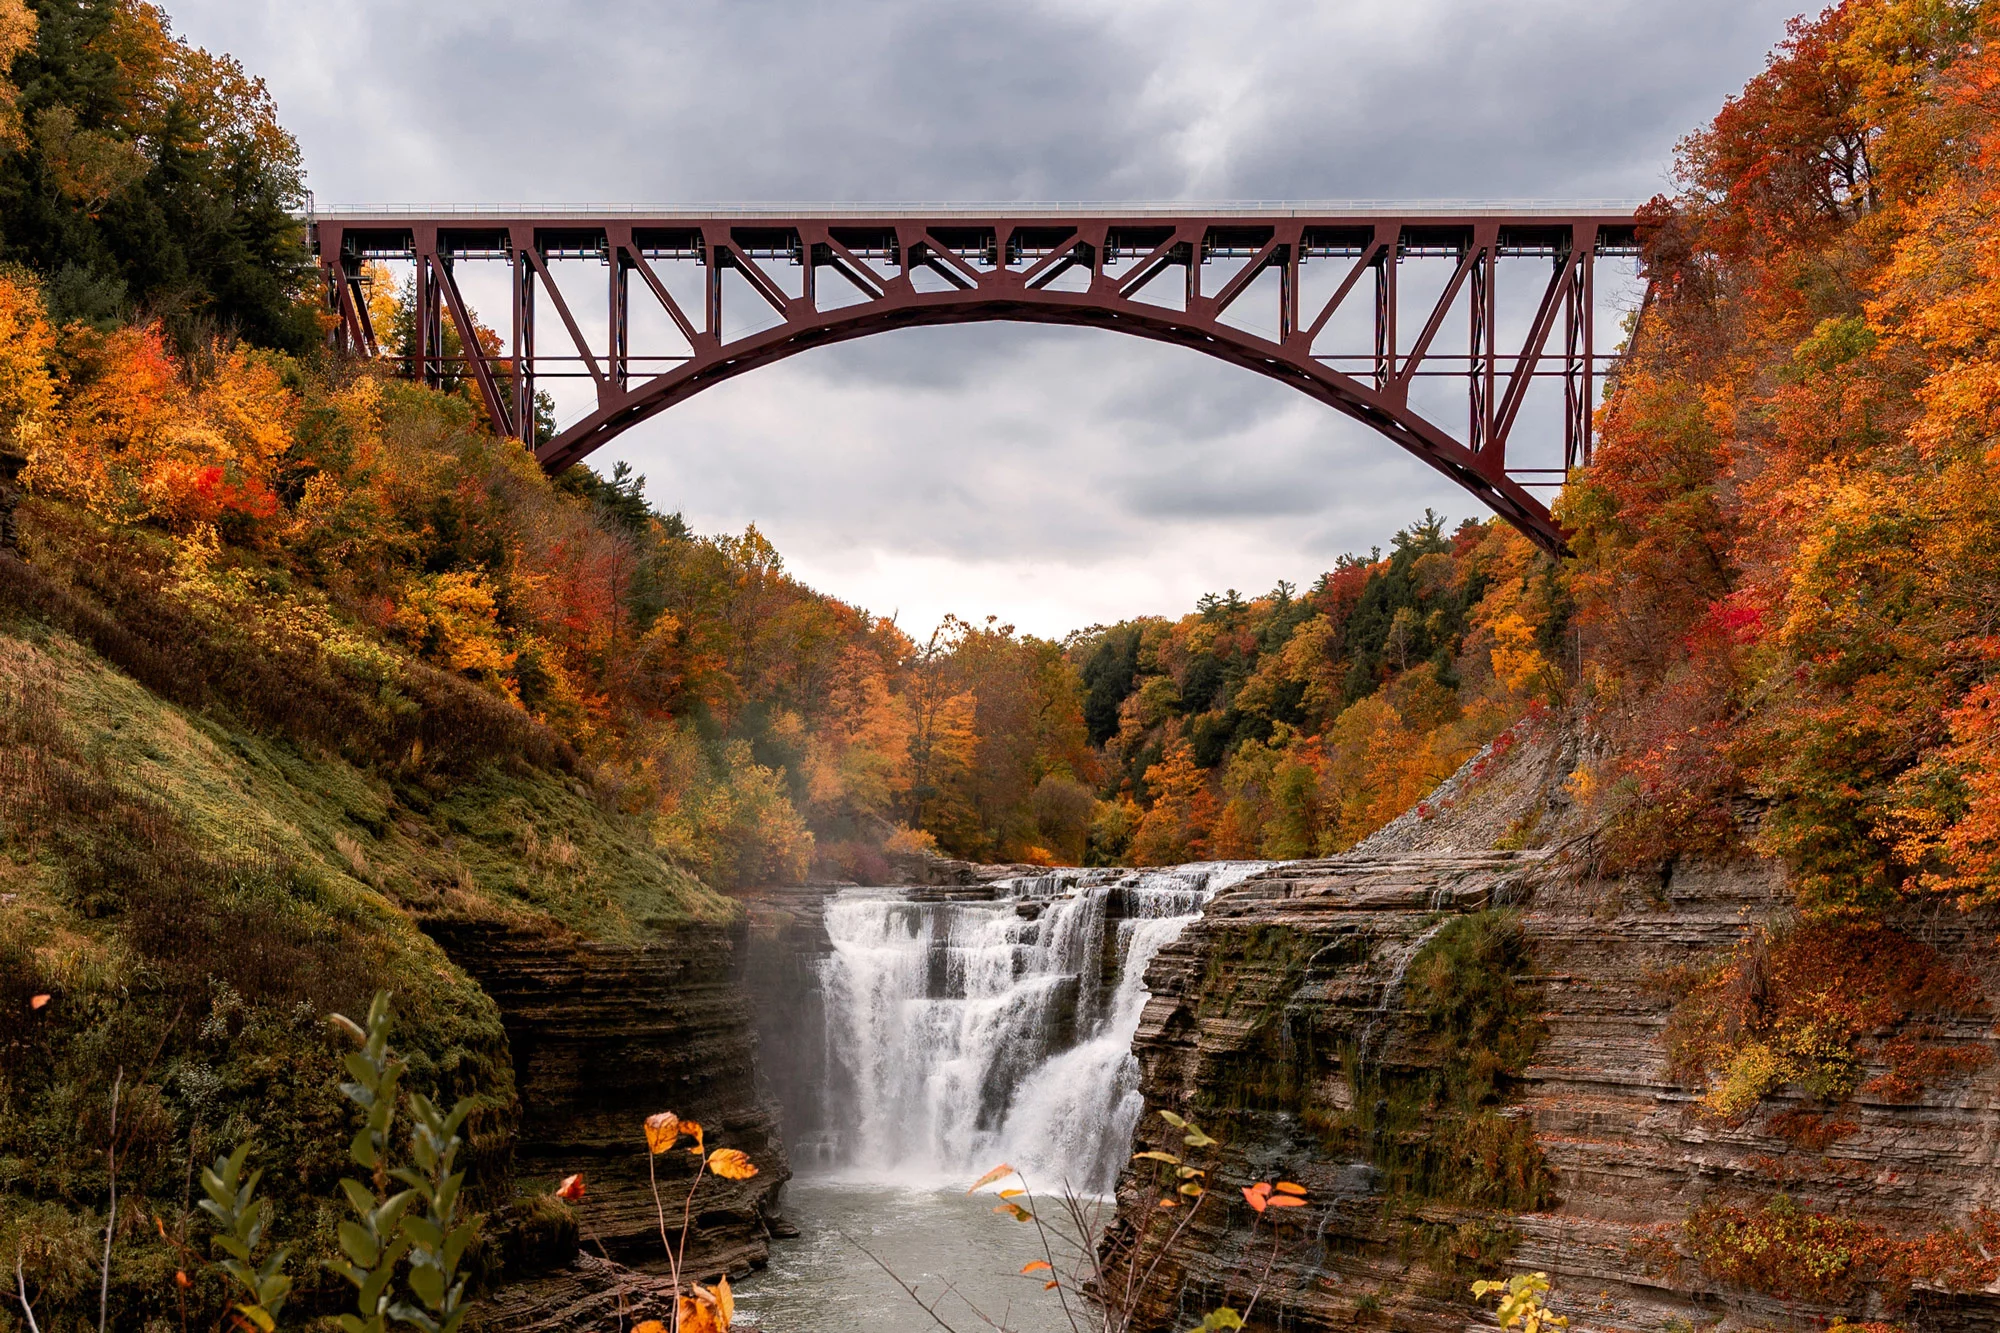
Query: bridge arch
[1067,267]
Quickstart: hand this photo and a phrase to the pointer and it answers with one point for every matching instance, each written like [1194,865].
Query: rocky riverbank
[602,1036]
[1332,1022]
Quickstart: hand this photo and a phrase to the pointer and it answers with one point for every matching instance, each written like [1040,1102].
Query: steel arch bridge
[1228,281]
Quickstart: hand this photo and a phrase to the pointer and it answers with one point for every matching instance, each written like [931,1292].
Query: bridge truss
[739,290]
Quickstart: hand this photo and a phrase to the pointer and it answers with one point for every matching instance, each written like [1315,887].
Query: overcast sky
[1051,477]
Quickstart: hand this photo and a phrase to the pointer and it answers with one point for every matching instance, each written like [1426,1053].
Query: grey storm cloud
[1055,476]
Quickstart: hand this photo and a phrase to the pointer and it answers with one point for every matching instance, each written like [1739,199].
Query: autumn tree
[140,173]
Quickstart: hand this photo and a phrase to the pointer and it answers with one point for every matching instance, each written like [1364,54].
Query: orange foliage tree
[1786,547]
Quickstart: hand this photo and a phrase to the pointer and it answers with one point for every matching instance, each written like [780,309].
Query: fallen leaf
[571,1188]
[1170,1203]
[1000,1172]
[38,1001]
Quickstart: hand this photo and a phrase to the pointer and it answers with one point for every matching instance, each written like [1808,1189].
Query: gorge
[1462,1046]
[969,1028]
[1617,900]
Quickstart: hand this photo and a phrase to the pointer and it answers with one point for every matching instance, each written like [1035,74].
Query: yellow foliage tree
[1178,825]
[27,342]
[17,34]
[453,619]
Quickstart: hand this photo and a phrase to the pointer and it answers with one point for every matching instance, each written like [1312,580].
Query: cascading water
[962,1033]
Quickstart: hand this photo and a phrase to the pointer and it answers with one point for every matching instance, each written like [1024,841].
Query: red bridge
[1229,281]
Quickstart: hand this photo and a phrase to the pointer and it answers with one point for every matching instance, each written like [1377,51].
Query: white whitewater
[961,1034]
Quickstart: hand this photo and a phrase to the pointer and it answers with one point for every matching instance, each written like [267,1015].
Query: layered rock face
[786,940]
[1287,1023]
[603,1036]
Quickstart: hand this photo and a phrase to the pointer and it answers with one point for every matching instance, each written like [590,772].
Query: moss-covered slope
[194,889]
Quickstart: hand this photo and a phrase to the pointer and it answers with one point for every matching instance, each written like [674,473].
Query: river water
[959,1035]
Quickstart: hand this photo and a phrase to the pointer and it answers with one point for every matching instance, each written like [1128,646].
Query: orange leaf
[662,1130]
[38,1001]
[1287,1187]
[1254,1199]
[1285,1201]
[1037,1266]
[708,1310]
[692,1129]
[1016,1211]
[1000,1172]
[731,1164]
[1263,1187]
[650,1326]
[1170,1203]
[1050,1285]
[181,1279]
[571,1188]
[698,1317]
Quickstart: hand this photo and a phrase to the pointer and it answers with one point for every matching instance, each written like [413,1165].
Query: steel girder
[1140,273]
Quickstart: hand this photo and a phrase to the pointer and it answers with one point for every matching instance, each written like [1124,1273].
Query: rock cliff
[1326,1021]
[602,1036]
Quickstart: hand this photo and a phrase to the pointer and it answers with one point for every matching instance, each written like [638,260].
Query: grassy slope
[197,893]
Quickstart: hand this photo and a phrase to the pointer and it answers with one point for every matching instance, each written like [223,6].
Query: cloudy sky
[1051,477]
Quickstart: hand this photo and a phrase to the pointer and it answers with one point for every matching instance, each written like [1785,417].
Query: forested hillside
[1787,562]
[1297,723]
[1806,399]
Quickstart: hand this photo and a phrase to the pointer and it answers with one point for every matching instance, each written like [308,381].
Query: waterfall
[963,1033]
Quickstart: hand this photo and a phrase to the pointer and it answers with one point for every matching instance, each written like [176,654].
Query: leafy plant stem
[1257,1291]
[1175,1235]
[1042,1233]
[599,1243]
[687,1220]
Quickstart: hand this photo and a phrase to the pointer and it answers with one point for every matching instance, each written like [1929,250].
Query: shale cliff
[601,1036]
[1474,1053]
